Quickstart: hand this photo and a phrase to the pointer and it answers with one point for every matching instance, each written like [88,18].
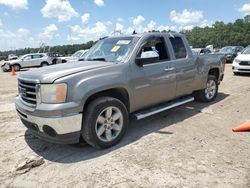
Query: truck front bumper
[61,130]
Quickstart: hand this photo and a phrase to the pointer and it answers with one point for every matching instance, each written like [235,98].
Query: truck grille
[27,91]
[247,63]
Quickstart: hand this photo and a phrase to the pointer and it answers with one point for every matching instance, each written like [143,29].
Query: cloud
[186,17]
[138,20]
[245,8]
[49,32]
[119,19]
[85,18]
[14,40]
[99,3]
[1,23]
[119,27]
[15,4]
[151,25]
[99,30]
[60,9]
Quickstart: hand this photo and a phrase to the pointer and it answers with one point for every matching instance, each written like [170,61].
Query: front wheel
[210,92]
[105,122]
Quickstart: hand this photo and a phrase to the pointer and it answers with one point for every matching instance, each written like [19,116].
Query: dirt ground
[189,146]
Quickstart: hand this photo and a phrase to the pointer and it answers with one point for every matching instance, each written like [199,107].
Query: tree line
[219,35]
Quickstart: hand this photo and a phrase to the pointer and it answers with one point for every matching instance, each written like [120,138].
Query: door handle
[169,69]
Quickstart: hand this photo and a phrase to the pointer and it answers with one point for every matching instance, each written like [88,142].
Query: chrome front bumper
[66,129]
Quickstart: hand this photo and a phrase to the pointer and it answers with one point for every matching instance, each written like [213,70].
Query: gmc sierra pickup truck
[124,76]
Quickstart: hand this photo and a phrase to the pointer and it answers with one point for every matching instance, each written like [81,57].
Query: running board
[163,107]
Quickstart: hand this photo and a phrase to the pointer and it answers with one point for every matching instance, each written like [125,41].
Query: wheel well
[64,61]
[215,72]
[118,93]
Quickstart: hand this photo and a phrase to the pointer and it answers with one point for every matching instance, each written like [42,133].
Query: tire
[110,132]
[17,67]
[44,64]
[210,93]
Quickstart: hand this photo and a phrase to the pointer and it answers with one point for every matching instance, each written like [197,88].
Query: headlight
[236,61]
[53,93]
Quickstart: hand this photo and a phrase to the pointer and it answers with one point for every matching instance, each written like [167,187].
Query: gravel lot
[190,146]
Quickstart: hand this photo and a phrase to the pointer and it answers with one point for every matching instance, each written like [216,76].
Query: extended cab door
[153,82]
[185,66]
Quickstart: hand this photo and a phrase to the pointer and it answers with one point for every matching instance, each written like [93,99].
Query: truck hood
[50,73]
[243,57]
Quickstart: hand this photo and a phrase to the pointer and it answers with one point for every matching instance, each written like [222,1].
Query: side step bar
[163,107]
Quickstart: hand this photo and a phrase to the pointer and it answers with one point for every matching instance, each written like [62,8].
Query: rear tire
[44,64]
[104,122]
[210,92]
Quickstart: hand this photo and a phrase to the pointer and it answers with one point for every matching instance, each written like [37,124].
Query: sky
[29,23]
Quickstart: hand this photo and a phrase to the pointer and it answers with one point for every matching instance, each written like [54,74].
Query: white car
[28,61]
[75,57]
[241,63]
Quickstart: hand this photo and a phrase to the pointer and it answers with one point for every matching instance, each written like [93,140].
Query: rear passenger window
[179,47]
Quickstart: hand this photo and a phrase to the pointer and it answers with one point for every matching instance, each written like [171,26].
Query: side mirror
[147,58]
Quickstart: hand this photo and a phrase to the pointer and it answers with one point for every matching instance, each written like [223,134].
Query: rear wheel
[44,64]
[17,67]
[105,122]
[210,92]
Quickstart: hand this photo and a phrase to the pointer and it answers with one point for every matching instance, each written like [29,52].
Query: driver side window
[154,46]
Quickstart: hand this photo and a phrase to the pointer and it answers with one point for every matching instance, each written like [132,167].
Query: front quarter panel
[82,85]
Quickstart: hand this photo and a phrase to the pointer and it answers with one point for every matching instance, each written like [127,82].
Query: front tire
[236,73]
[105,122]
[17,67]
[210,92]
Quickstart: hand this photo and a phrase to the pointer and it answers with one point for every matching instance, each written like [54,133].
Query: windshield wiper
[97,59]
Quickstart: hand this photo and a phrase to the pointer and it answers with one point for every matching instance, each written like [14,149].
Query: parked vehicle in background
[231,52]
[75,57]
[3,58]
[28,61]
[241,63]
[201,51]
[12,57]
[54,56]
[141,75]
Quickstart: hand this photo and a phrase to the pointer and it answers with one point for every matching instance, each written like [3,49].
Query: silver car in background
[28,61]
[241,63]
[79,55]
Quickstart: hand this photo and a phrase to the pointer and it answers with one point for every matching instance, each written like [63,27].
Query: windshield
[111,49]
[22,57]
[228,49]
[77,54]
[246,51]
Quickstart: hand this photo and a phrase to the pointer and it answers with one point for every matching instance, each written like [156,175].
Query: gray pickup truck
[125,76]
